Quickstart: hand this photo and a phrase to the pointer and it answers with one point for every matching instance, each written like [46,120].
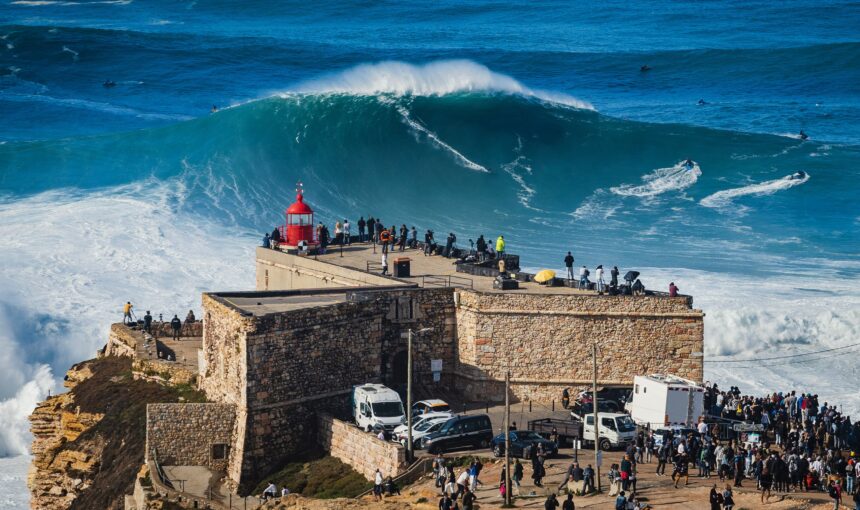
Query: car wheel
[497,451]
[605,445]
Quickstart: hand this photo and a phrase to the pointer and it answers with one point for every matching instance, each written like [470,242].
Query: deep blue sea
[535,121]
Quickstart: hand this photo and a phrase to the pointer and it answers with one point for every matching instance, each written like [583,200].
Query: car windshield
[625,424]
[387,409]
[424,425]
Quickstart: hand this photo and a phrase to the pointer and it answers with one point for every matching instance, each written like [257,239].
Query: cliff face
[88,443]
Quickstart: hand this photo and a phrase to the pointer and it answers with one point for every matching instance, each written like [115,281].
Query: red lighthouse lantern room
[300,223]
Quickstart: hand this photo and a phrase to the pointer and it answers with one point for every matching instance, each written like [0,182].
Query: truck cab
[376,406]
[616,430]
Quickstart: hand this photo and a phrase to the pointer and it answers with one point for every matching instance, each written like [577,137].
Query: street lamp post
[409,447]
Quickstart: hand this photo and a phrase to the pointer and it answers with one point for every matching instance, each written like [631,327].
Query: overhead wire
[756,360]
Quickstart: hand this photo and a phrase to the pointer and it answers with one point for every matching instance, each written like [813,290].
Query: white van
[666,400]
[617,430]
[375,405]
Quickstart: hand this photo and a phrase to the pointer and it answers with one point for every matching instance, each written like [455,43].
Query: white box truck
[375,405]
[666,400]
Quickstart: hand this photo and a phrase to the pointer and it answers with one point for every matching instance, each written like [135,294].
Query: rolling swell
[396,149]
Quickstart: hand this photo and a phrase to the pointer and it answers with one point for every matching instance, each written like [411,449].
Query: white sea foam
[724,198]
[432,79]
[515,169]
[661,180]
[13,482]
[774,315]
[75,54]
[70,258]
[438,142]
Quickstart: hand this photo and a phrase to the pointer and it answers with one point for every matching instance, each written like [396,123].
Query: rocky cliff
[88,442]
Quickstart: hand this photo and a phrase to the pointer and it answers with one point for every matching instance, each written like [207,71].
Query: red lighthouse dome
[300,221]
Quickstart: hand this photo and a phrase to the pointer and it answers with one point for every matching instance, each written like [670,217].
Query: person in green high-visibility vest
[500,246]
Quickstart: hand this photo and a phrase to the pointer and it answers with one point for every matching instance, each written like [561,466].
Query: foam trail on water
[434,138]
[661,180]
[74,53]
[724,198]
[432,79]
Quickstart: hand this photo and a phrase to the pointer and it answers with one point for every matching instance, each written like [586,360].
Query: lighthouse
[299,228]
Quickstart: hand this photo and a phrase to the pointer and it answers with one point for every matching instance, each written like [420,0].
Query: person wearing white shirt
[285,492]
[462,480]
[598,274]
[377,486]
[346,239]
[682,448]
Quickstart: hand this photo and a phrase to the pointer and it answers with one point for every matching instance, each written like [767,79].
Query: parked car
[616,430]
[523,444]
[614,399]
[433,405]
[424,428]
[467,431]
[418,420]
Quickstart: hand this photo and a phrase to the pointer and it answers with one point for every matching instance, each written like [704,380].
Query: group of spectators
[176,324]
[458,488]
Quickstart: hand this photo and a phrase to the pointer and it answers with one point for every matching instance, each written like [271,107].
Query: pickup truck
[567,429]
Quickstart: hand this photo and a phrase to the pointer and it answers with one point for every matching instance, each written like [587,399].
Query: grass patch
[317,476]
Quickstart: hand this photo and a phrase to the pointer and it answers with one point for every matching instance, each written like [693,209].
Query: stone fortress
[278,363]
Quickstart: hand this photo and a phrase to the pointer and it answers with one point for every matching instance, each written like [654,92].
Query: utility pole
[594,406]
[508,488]
[409,451]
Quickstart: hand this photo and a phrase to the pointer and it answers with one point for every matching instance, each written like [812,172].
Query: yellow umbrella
[544,276]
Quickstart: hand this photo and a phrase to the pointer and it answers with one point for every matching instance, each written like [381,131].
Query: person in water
[214,109]
[644,68]
[702,102]
[803,136]
[108,84]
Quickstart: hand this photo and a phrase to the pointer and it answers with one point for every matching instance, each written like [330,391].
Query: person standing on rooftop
[568,263]
[500,247]
[346,233]
[265,240]
[361,225]
[601,284]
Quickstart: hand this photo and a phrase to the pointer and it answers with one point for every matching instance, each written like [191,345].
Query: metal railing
[447,281]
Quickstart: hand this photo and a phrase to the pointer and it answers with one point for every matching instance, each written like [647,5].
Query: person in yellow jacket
[126,312]
[500,246]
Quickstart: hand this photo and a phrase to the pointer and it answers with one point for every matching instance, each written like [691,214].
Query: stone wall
[184,434]
[281,369]
[545,341]
[363,451]
[277,270]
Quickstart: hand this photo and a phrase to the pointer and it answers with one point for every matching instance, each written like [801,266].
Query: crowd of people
[458,484]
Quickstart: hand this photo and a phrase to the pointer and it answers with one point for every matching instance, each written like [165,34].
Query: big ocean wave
[158,215]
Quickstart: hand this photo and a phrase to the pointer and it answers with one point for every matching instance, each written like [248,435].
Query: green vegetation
[317,476]
[120,436]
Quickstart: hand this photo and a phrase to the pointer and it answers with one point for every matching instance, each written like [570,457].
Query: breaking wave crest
[437,78]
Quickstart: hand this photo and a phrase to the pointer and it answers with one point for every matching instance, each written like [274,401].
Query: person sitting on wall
[673,289]
[638,288]
[270,493]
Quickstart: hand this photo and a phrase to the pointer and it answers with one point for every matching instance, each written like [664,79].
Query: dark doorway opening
[399,371]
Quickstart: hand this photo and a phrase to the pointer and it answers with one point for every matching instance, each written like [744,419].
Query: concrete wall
[183,434]
[277,270]
[363,451]
[545,341]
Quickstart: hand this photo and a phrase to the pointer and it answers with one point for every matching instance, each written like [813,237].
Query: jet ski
[109,84]
[798,176]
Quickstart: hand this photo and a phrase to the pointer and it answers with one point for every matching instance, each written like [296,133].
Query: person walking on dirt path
[147,322]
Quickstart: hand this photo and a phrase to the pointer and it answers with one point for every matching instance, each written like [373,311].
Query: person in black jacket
[275,238]
[176,324]
[613,282]
[568,263]
[361,225]
[481,246]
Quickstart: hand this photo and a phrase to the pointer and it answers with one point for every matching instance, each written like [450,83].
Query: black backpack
[831,491]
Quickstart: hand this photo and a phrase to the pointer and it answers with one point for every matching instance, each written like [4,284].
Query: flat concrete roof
[263,303]
[423,268]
